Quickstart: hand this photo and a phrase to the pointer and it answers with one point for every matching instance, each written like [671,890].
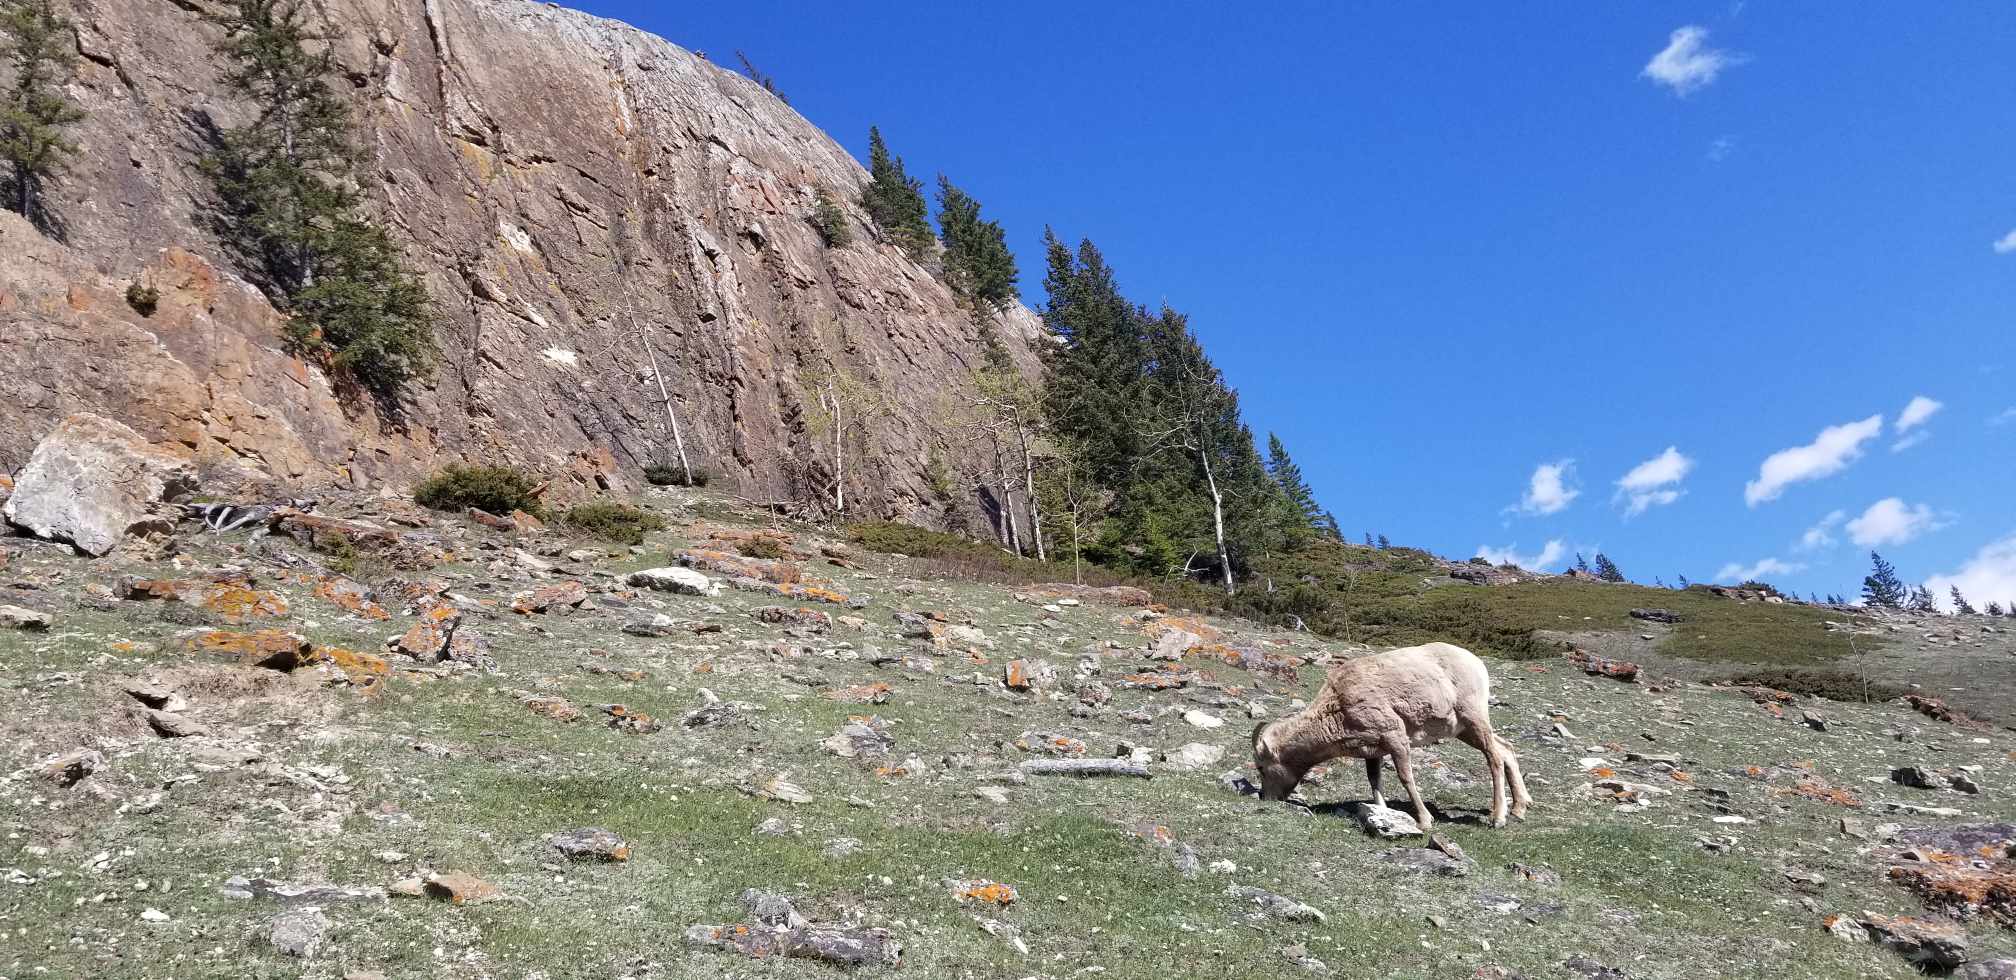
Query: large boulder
[92,481]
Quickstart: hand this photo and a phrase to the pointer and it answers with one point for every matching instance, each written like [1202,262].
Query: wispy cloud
[1821,535]
[2005,244]
[1550,554]
[1909,422]
[1687,62]
[2003,417]
[1735,572]
[1892,521]
[1989,576]
[1829,453]
[1549,490]
[1722,146]
[1654,482]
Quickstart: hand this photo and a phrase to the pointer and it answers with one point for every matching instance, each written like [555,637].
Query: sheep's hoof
[1497,823]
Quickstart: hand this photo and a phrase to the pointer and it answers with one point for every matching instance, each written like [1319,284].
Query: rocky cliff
[581,198]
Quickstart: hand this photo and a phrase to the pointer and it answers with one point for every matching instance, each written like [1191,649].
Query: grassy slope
[456,774]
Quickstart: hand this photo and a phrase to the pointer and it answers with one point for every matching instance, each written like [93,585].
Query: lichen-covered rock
[1270,905]
[92,481]
[272,649]
[18,618]
[591,844]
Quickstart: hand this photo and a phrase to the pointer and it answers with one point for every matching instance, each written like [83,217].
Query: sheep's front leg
[1397,747]
[1372,768]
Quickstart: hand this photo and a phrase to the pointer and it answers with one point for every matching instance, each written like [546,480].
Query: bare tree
[843,406]
[1013,408]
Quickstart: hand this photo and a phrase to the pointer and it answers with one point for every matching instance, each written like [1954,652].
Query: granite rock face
[92,481]
[582,199]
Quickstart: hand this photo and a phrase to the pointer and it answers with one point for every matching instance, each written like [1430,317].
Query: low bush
[1831,685]
[143,299]
[620,523]
[762,547]
[674,475]
[496,489]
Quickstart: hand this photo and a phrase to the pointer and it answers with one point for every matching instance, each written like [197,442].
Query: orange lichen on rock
[986,892]
[351,597]
[272,649]
[1819,790]
[876,692]
[1963,889]
[237,603]
[1195,627]
[368,672]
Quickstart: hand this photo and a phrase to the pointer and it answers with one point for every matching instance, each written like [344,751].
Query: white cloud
[1548,492]
[1687,62]
[1821,535]
[1892,521]
[1551,554]
[1917,412]
[1734,572]
[1829,453]
[1652,483]
[1720,149]
[2005,417]
[1989,576]
[2005,244]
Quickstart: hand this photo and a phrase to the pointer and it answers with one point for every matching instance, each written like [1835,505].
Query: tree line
[287,187]
[1883,588]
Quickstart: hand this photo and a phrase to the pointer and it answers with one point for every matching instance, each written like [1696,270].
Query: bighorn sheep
[1387,704]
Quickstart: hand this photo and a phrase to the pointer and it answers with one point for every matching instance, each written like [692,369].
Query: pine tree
[1607,569]
[1288,477]
[978,265]
[1919,599]
[1368,539]
[1684,583]
[288,186]
[1330,527]
[1383,543]
[894,199]
[1580,564]
[834,228]
[1961,607]
[34,112]
[1882,588]
[1993,609]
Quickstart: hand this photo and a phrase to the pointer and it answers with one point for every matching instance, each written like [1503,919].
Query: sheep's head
[1278,777]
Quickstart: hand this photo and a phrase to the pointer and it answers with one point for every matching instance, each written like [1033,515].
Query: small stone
[841,847]
[1426,861]
[684,581]
[300,933]
[1386,822]
[992,794]
[590,844]
[154,915]
[1276,906]
[1194,755]
[1918,777]
[1202,719]
[459,888]
[773,827]
[168,724]
[1814,720]
[771,909]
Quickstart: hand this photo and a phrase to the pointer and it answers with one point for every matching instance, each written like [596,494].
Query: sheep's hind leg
[1483,740]
[1520,799]
[1372,767]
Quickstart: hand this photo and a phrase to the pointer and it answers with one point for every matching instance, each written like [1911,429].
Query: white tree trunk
[1029,488]
[1217,519]
[671,417]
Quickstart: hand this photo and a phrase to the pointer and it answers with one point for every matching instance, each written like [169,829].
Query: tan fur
[1385,705]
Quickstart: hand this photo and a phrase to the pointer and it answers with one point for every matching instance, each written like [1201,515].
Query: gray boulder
[92,481]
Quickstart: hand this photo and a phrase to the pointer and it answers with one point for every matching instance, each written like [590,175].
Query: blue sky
[1436,253]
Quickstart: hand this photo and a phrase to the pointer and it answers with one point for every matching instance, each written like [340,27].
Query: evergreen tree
[894,199]
[1368,539]
[41,49]
[1919,599]
[834,228]
[1580,564]
[1882,588]
[1684,583]
[978,265]
[1961,607]
[288,186]
[1330,527]
[1607,569]
[1383,543]
[1288,477]
[1993,609]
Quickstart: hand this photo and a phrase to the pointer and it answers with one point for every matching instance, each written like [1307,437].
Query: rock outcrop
[587,205]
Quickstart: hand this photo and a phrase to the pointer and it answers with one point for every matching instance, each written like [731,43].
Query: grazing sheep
[1387,704]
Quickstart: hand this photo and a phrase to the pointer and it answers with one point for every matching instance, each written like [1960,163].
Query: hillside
[228,757]
[570,190]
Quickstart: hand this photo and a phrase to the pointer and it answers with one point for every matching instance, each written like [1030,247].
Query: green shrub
[674,475]
[620,523]
[143,299]
[831,221]
[496,489]
[769,548]
[1832,685]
